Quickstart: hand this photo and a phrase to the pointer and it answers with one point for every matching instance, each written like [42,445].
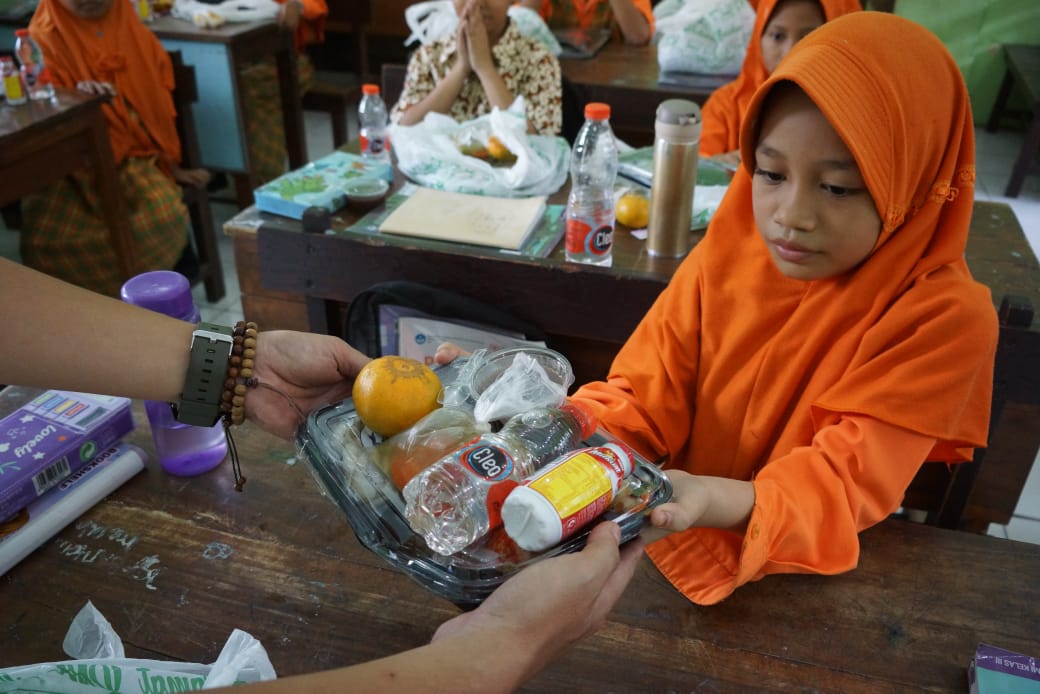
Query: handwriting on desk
[91,533]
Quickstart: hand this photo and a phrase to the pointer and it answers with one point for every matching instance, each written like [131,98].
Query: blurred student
[528,622]
[633,19]
[101,46]
[779,25]
[486,64]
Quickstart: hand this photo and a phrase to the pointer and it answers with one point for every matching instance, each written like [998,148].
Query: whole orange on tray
[392,393]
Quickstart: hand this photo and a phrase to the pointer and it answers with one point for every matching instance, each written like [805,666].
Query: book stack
[59,455]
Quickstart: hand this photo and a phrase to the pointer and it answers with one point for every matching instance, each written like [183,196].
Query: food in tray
[494,151]
[392,393]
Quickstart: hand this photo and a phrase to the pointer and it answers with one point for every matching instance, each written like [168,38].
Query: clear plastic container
[372,122]
[338,450]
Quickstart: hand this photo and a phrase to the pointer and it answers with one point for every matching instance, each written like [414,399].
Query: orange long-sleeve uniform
[723,112]
[587,14]
[828,395]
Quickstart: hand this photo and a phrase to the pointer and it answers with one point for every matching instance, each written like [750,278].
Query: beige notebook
[476,219]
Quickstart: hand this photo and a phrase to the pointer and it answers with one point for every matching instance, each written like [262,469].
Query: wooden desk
[627,78]
[217,55]
[176,563]
[43,141]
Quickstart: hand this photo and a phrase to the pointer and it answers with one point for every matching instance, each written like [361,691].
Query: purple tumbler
[183,449]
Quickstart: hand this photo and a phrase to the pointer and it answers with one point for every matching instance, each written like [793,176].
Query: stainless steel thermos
[677,135]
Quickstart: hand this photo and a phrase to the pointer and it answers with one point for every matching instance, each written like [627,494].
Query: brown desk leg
[292,112]
[113,206]
[993,124]
[1026,156]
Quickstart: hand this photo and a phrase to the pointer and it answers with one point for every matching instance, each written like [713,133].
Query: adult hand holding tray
[475,219]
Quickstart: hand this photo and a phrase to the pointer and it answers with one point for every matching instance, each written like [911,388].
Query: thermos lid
[163,291]
[678,112]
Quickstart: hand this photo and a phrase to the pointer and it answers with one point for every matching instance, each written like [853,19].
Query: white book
[66,502]
[418,338]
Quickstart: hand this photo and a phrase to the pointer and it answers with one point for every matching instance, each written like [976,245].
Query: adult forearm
[93,343]
[631,21]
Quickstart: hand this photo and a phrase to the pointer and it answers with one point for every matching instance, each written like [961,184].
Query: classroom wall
[973,31]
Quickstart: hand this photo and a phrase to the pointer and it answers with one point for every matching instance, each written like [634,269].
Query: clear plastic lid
[338,449]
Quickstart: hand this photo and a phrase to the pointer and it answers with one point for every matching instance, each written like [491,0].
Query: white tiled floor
[995,154]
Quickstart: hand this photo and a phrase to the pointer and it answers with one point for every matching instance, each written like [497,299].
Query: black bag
[361,325]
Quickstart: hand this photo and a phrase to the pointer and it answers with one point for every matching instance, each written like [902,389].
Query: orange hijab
[722,112]
[119,49]
[737,368]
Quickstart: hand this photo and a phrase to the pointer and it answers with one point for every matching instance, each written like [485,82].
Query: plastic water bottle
[30,60]
[14,92]
[182,449]
[590,207]
[372,120]
[458,499]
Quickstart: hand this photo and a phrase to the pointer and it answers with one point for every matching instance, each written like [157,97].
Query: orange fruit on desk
[392,393]
[633,210]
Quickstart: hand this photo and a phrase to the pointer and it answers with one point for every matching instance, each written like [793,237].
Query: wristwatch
[199,404]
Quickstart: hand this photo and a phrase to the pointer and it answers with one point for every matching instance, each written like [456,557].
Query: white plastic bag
[228,11]
[703,36]
[100,665]
[429,153]
[432,20]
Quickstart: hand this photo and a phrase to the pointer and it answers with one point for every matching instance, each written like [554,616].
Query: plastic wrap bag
[704,36]
[431,154]
[100,665]
[213,15]
[430,21]
[522,386]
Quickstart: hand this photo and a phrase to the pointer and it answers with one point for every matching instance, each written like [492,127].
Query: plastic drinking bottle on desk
[30,60]
[372,121]
[590,207]
[182,449]
[457,500]
[14,92]
[677,136]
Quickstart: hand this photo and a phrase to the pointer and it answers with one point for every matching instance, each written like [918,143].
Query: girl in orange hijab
[826,337]
[779,25]
[102,46]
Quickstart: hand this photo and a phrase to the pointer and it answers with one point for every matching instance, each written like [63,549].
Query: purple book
[53,436]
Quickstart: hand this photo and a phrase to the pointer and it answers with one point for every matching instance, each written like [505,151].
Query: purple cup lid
[163,291]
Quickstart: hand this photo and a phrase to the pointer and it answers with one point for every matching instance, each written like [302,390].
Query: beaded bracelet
[240,373]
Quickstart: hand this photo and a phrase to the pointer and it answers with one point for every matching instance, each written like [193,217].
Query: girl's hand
[480,57]
[462,46]
[196,178]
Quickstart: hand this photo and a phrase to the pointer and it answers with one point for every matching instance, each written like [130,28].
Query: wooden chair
[337,93]
[185,93]
[1023,69]
[392,81]
[947,492]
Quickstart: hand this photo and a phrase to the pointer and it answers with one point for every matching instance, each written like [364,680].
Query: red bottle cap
[370,89]
[597,111]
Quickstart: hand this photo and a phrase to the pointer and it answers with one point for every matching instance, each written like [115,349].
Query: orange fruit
[392,393]
[498,150]
[633,210]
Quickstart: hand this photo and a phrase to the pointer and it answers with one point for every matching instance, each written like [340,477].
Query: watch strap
[199,404]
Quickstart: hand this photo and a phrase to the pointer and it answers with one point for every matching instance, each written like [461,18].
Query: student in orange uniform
[262,96]
[779,24]
[633,18]
[826,337]
[101,46]
[487,63]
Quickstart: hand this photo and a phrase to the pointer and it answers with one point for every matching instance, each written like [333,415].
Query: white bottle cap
[531,520]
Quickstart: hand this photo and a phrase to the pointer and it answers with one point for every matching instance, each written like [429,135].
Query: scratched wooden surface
[176,563]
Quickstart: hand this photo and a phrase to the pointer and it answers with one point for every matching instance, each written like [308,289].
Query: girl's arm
[633,23]
[414,104]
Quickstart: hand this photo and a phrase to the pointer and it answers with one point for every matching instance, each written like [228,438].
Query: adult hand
[310,369]
[555,602]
